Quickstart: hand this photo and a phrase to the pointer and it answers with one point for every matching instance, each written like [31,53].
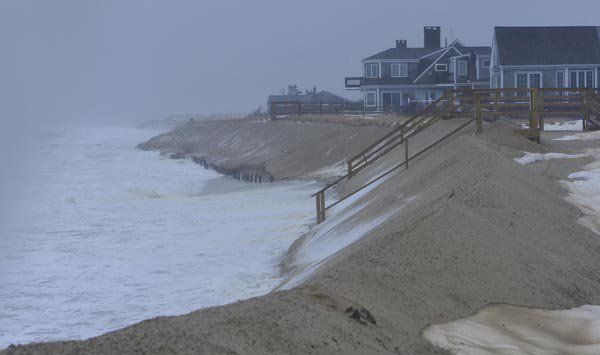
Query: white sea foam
[112,235]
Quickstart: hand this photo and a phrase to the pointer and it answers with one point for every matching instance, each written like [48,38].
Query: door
[386,100]
[396,101]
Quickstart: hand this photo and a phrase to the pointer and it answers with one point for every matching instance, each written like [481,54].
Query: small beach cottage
[545,57]
[399,76]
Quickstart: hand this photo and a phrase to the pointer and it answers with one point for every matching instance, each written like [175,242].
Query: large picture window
[582,78]
[399,70]
[372,70]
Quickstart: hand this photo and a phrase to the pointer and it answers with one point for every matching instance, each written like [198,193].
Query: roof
[547,45]
[480,50]
[324,96]
[403,53]
[286,98]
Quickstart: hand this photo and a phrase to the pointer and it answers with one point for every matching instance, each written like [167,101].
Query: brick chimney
[433,37]
[401,43]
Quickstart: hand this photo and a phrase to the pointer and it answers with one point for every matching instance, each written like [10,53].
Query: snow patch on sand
[573,125]
[530,158]
[587,136]
[584,192]
[341,229]
[506,329]
[336,170]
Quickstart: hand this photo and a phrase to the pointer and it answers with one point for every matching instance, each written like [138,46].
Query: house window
[441,67]
[463,68]
[528,80]
[399,70]
[427,95]
[372,70]
[521,81]
[535,80]
[582,78]
[371,98]
[560,79]
[487,63]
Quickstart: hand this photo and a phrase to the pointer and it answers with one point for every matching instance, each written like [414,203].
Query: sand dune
[466,226]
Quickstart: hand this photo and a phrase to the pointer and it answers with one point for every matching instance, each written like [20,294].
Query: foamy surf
[114,235]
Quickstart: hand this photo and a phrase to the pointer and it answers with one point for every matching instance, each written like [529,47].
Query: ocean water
[109,235]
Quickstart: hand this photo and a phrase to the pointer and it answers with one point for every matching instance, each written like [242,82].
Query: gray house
[545,57]
[399,77]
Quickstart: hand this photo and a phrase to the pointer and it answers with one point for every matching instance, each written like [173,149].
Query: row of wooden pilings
[243,174]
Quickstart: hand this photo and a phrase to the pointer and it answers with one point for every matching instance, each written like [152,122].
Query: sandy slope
[467,226]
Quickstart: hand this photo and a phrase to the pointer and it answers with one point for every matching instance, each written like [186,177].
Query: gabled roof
[547,45]
[403,53]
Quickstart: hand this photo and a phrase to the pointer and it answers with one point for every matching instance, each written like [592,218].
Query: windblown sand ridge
[464,227]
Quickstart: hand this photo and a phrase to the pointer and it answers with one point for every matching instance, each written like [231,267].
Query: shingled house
[394,79]
[548,57]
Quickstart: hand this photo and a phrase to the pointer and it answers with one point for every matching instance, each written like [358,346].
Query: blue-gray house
[401,76]
[545,57]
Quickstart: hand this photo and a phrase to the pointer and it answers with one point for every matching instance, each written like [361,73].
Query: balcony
[354,82]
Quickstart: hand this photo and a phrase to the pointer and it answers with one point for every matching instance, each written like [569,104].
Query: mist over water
[112,235]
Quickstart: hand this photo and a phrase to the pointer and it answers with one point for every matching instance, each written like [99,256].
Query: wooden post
[349,170]
[322,206]
[533,122]
[539,109]
[451,101]
[478,120]
[586,116]
[318,200]
[496,104]
[406,154]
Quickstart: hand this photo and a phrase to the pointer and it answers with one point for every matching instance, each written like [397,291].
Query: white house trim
[389,61]
[550,66]
[435,61]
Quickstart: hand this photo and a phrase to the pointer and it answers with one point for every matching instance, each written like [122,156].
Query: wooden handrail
[537,103]
[401,164]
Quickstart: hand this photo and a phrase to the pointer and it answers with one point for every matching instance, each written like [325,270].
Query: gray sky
[145,59]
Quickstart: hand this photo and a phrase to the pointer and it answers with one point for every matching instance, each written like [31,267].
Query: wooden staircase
[476,105]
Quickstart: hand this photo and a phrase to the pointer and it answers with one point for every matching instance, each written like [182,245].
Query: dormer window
[441,67]
[399,70]
[372,70]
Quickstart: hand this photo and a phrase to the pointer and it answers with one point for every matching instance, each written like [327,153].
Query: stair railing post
[586,108]
[478,120]
[322,206]
[406,154]
[318,201]
[349,169]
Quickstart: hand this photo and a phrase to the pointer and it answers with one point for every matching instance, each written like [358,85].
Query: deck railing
[476,105]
